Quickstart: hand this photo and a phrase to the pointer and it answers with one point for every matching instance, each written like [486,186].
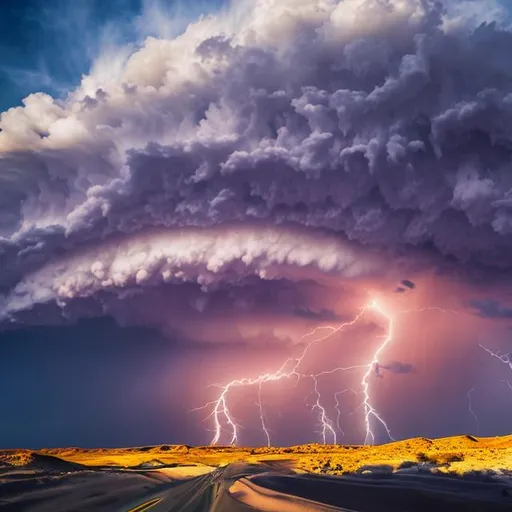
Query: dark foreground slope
[245,487]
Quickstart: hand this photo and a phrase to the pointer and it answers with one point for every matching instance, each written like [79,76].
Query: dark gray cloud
[398,367]
[323,315]
[405,285]
[391,137]
[490,308]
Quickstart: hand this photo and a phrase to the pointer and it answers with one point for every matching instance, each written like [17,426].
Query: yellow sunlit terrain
[460,454]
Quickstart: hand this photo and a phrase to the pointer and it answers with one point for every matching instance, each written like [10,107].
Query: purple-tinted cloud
[490,308]
[377,130]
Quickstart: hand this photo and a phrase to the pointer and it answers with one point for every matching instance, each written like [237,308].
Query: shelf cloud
[273,141]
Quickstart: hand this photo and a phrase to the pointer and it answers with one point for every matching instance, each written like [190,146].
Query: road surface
[244,488]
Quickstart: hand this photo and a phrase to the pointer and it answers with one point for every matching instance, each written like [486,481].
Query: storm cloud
[490,308]
[398,367]
[345,138]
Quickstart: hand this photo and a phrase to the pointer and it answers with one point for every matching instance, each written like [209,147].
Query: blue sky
[47,45]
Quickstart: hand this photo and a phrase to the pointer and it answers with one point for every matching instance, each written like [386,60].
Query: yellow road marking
[146,505]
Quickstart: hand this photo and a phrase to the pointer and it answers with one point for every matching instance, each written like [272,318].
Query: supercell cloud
[357,140]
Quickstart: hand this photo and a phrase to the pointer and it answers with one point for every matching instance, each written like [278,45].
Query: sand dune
[37,462]
[371,493]
[462,473]
[268,500]
[459,454]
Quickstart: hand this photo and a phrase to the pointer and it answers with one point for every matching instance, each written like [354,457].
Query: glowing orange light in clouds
[220,405]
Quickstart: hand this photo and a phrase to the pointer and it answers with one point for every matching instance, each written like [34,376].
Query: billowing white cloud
[207,257]
[382,125]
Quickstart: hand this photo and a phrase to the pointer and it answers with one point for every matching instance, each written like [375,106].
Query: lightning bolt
[326,423]
[370,411]
[338,410]
[291,368]
[504,358]
[262,415]
[431,308]
[471,411]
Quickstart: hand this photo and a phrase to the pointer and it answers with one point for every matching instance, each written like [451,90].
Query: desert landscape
[256,255]
[455,473]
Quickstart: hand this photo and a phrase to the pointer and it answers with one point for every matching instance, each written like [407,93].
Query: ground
[460,455]
[457,474]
